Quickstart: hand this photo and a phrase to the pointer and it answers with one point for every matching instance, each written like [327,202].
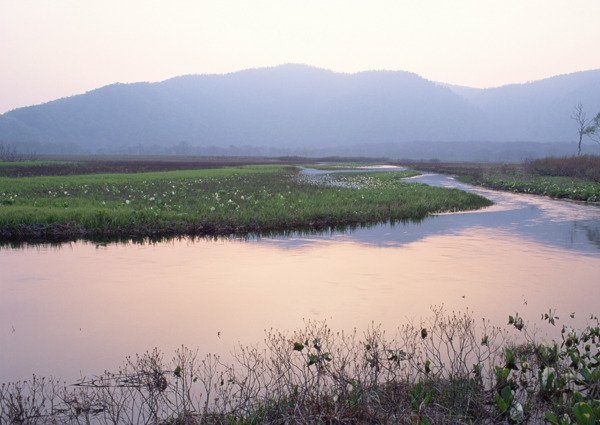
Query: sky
[57,48]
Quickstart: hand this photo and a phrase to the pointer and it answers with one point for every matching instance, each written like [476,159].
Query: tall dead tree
[579,117]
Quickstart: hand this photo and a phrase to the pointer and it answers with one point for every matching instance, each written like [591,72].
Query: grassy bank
[447,369]
[217,201]
[576,178]
[555,187]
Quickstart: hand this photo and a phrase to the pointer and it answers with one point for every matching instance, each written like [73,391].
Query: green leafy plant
[420,397]
[504,399]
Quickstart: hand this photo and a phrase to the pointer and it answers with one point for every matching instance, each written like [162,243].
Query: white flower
[547,374]
[127,201]
[516,412]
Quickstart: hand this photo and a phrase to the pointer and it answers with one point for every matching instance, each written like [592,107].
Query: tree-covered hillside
[297,107]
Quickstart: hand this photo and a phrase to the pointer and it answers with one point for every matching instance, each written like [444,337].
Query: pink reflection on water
[82,309]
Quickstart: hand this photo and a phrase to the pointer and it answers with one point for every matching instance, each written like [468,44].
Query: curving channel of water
[81,308]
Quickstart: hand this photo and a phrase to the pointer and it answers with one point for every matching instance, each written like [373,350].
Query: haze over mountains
[297,109]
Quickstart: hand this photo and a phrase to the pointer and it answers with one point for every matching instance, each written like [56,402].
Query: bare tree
[8,154]
[586,127]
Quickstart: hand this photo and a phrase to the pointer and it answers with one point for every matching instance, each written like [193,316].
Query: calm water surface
[82,308]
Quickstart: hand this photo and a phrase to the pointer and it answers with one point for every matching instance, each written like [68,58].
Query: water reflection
[562,223]
[83,307]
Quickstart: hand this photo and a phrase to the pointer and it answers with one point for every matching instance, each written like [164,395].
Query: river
[81,308]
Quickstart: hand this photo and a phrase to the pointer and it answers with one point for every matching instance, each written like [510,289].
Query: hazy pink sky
[56,48]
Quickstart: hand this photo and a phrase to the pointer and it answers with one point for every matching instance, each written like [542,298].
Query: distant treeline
[514,152]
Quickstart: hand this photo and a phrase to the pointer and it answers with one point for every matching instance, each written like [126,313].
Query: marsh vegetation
[576,177]
[217,201]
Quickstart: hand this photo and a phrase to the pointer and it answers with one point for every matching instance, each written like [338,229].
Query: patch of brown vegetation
[104,165]
[586,167]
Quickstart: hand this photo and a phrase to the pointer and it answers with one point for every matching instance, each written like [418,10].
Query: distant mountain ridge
[297,107]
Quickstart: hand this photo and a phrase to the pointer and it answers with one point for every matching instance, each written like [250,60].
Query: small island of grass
[227,200]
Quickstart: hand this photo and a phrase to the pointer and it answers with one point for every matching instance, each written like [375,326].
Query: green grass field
[219,201]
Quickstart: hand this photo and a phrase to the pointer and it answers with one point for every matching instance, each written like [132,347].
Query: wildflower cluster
[8,198]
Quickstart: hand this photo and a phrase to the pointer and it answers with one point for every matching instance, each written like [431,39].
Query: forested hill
[301,107]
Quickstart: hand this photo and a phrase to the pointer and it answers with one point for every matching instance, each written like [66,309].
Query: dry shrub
[585,167]
[439,370]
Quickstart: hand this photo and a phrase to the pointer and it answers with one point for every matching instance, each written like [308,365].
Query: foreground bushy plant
[565,377]
[448,369]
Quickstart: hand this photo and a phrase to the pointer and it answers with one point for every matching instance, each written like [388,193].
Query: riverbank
[576,178]
[216,201]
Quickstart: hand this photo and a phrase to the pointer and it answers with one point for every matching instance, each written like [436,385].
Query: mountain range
[298,109]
